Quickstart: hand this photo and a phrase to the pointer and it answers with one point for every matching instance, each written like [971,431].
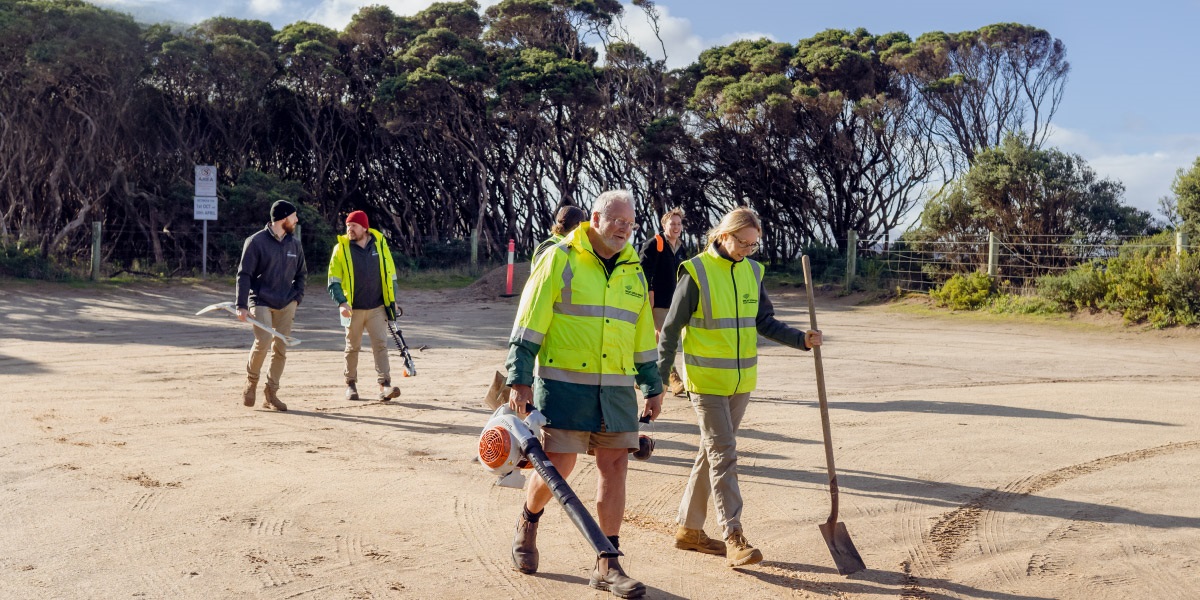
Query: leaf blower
[509,444]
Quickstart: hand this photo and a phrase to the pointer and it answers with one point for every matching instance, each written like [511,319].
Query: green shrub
[1083,287]
[28,263]
[968,292]
[1022,305]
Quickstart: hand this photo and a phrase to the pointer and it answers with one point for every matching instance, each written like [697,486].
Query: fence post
[1180,243]
[851,258]
[96,231]
[993,254]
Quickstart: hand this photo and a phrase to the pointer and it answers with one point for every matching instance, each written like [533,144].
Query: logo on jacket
[746,299]
[629,291]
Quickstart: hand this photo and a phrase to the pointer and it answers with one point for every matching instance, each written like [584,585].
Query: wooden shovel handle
[812,319]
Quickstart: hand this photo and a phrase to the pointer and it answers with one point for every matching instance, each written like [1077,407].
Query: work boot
[614,579]
[676,384]
[270,400]
[387,391]
[695,539]
[524,548]
[739,552]
[351,391]
[248,393]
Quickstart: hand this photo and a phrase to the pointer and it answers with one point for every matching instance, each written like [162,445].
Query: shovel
[845,555]
[228,307]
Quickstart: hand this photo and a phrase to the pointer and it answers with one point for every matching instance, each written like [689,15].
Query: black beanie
[281,210]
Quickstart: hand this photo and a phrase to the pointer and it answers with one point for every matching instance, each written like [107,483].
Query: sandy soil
[977,459]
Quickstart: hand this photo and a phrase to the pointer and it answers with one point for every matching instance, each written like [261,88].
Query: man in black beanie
[270,282]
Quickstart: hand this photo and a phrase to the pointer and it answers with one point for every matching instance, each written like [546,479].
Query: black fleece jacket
[272,271]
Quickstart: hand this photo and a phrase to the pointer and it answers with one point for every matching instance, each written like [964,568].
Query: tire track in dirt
[953,529]
[475,522]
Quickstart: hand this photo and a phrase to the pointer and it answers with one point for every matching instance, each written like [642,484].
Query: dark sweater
[660,268]
[271,272]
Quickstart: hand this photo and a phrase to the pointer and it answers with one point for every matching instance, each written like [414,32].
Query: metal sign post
[204,207]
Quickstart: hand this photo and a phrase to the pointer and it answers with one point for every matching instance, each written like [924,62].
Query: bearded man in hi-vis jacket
[585,321]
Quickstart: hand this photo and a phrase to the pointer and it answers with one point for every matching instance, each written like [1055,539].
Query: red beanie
[359,217]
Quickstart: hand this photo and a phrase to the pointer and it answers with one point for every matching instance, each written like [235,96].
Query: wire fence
[1015,261]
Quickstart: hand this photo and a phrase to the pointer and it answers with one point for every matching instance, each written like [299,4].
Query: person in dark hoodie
[270,283]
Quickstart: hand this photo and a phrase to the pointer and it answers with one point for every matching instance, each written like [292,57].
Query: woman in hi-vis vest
[717,312]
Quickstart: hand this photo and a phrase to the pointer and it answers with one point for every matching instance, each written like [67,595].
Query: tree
[1042,204]
[986,84]
[1186,188]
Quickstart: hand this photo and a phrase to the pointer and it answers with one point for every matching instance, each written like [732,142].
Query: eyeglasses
[750,246]
[623,224]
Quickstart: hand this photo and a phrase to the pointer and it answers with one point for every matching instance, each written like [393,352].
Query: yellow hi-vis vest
[341,271]
[720,343]
[591,332]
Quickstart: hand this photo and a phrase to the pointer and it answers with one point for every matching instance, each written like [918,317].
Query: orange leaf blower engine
[509,444]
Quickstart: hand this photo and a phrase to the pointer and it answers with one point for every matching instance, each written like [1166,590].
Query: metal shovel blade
[845,555]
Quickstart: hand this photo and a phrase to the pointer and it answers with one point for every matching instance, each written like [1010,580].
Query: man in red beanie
[362,279]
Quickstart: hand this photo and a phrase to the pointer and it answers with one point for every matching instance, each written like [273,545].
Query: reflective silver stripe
[702,281]
[565,376]
[647,356]
[720,363]
[757,271]
[645,286]
[568,275]
[527,334]
[592,310]
[335,280]
[730,323]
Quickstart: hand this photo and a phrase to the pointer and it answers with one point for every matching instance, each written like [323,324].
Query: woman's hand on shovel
[812,338]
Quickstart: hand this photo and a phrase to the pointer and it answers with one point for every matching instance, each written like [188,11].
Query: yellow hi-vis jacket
[720,343]
[592,336]
[341,271]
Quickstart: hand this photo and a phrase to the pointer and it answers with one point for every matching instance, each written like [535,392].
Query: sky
[1130,105]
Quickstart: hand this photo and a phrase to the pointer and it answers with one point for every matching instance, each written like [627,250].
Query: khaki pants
[280,320]
[715,470]
[374,322]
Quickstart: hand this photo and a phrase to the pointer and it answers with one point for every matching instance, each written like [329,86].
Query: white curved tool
[228,307]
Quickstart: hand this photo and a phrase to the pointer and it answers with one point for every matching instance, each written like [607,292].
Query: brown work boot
[387,391]
[739,552]
[614,579]
[248,393]
[524,548]
[695,539]
[351,391]
[676,384]
[270,400]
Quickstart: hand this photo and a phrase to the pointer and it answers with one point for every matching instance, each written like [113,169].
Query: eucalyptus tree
[986,84]
[70,71]
[434,102]
[867,145]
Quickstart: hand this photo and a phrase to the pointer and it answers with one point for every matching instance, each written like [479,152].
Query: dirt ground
[977,459]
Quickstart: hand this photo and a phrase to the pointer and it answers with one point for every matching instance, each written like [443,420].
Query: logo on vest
[746,299]
[629,291]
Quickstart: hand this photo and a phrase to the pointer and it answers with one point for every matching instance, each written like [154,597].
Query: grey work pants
[715,470]
[280,320]
[374,322]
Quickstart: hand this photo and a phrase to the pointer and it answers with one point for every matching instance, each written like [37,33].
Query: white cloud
[682,45]
[337,13]
[265,7]
[1147,175]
